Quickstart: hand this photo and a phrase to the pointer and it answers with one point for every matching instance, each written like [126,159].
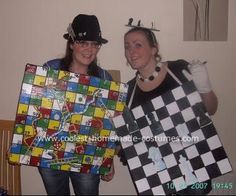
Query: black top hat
[85,28]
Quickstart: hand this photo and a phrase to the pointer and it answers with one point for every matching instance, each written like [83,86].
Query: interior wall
[31,32]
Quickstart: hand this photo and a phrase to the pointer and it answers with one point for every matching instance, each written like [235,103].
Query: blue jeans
[56,182]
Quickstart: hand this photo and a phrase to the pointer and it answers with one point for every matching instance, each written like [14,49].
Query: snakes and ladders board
[63,120]
[171,143]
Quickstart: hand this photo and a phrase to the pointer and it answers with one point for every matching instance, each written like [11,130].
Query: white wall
[31,31]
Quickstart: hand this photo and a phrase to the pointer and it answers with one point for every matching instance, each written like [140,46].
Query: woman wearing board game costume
[84,41]
[153,78]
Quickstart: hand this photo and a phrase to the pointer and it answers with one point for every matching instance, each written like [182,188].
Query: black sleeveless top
[169,83]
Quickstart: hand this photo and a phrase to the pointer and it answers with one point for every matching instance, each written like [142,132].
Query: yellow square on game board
[22,109]
[39,80]
[99,112]
[114,86]
[47,103]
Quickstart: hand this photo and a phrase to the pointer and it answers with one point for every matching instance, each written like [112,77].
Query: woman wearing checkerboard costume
[153,78]
[84,41]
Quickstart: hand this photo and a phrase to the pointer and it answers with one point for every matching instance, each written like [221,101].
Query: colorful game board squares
[64,75]
[115,86]
[113,95]
[41,71]
[57,104]
[107,124]
[111,104]
[95,81]
[91,90]
[104,133]
[84,130]
[52,73]
[72,86]
[102,143]
[15,148]
[70,147]
[22,109]
[43,123]
[30,120]
[19,128]
[14,157]
[104,93]
[53,124]
[33,111]
[37,91]
[47,103]
[30,68]
[90,111]
[87,159]
[109,152]
[120,106]
[61,85]
[90,150]
[28,78]
[37,152]
[70,97]
[94,169]
[105,84]
[85,168]
[35,101]
[55,115]
[97,161]
[80,148]
[100,152]
[82,89]
[29,130]
[80,98]
[46,113]
[73,128]
[76,118]
[39,80]
[17,139]
[74,78]
[48,143]
[99,112]
[111,144]
[107,162]
[20,119]
[24,98]
[104,170]
[62,115]
[68,107]
[86,120]
[84,79]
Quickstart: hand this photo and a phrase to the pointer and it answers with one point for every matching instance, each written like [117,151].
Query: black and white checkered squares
[172,143]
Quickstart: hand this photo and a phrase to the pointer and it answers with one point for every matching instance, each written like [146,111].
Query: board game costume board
[63,120]
[171,143]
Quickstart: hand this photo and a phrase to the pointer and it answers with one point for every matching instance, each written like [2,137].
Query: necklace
[151,77]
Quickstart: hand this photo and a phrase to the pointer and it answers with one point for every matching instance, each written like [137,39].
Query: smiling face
[84,53]
[138,50]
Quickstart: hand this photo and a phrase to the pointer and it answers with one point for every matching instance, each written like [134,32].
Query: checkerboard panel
[177,143]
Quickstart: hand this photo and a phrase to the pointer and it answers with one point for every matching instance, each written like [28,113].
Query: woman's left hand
[109,176]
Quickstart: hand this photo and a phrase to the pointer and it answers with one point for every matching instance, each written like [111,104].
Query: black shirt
[169,83]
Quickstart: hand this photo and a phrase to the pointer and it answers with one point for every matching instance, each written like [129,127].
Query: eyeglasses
[85,44]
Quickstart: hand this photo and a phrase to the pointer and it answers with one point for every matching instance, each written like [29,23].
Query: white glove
[199,75]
